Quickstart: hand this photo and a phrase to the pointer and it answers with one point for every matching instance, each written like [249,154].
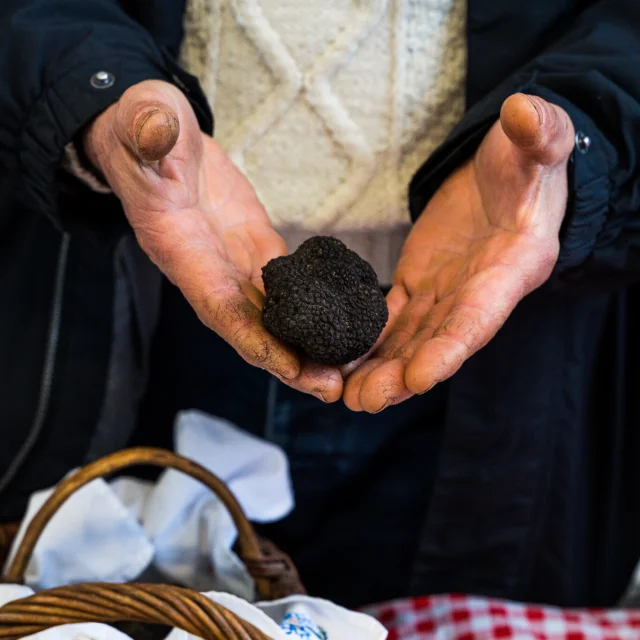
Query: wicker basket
[273,572]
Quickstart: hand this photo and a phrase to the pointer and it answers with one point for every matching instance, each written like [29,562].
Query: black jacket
[549,407]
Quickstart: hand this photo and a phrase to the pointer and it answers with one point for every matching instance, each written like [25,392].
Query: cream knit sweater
[330,106]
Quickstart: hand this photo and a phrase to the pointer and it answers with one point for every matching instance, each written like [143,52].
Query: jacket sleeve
[593,72]
[50,53]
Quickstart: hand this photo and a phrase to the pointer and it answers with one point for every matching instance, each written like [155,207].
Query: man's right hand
[198,218]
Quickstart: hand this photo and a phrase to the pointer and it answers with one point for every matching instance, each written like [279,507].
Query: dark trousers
[362,482]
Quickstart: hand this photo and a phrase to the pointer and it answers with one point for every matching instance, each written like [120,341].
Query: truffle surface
[325,301]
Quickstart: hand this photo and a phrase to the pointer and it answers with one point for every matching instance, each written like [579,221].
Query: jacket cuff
[68,104]
[589,170]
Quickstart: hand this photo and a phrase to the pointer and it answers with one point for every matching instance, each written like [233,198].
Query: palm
[218,212]
[486,239]
[476,239]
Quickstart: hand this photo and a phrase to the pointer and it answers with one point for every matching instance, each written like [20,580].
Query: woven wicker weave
[274,574]
[158,604]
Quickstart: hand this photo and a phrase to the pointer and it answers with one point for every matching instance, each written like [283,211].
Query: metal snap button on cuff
[583,142]
[102,80]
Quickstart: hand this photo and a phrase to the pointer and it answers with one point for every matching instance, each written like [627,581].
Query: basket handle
[107,603]
[249,547]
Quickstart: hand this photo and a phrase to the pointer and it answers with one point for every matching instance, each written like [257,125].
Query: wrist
[94,140]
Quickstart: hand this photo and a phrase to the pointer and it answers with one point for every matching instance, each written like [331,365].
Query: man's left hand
[487,238]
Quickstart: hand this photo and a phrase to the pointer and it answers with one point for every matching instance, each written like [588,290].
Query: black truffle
[324,300]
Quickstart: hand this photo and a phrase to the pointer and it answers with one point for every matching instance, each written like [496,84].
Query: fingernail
[427,389]
[537,107]
[156,133]
[319,395]
[383,407]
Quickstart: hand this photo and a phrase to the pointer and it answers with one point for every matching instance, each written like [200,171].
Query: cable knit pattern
[330,107]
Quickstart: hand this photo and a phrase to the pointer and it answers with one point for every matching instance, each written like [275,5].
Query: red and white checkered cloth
[455,617]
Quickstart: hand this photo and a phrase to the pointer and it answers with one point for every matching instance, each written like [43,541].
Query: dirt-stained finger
[354,383]
[237,320]
[322,381]
[384,386]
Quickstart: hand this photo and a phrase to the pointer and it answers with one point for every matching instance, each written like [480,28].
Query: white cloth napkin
[316,619]
[113,532]
[92,538]
[193,538]
[86,631]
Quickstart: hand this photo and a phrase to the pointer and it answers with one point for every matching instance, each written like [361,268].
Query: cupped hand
[487,238]
[200,221]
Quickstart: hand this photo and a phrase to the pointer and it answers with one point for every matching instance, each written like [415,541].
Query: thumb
[147,124]
[542,131]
